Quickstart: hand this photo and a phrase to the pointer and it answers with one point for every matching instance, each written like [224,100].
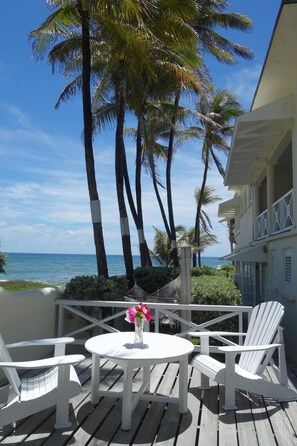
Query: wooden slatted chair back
[263,325]
[10,373]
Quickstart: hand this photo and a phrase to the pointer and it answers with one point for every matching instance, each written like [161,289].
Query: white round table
[156,349]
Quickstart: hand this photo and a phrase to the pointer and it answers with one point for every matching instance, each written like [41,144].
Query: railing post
[270,196]
[61,321]
[186,281]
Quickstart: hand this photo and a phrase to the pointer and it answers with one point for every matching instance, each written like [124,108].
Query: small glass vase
[138,338]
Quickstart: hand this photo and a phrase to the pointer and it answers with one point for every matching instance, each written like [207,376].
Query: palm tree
[58,26]
[209,16]
[162,245]
[206,239]
[212,15]
[221,108]
[205,197]
[146,63]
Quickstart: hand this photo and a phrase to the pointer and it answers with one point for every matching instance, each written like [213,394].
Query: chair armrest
[248,348]
[215,333]
[43,363]
[38,342]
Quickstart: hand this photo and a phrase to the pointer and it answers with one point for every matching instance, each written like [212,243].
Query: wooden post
[186,281]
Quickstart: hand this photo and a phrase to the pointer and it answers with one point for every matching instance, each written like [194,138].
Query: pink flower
[140,311]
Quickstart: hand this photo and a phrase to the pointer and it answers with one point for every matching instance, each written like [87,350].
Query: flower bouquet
[137,315]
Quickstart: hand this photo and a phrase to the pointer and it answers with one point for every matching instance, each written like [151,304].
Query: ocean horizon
[61,268]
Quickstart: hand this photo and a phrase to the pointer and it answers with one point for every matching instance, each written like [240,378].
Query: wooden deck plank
[208,429]
[168,428]
[257,421]
[188,429]
[119,436]
[282,428]
[262,425]
[227,422]
[149,429]
[126,437]
[291,408]
[90,417]
[246,431]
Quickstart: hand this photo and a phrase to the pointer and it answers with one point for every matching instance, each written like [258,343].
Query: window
[288,269]
[248,291]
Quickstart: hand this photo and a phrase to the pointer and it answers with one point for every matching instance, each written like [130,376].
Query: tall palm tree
[61,24]
[163,56]
[210,14]
[222,108]
[205,197]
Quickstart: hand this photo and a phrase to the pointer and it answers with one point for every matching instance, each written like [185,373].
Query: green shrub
[217,290]
[214,290]
[96,288]
[205,271]
[227,268]
[3,259]
[153,278]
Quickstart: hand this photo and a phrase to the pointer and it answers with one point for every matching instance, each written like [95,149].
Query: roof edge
[283,3]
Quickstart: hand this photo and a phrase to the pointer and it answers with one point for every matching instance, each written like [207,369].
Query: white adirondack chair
[54,386]
[263,337]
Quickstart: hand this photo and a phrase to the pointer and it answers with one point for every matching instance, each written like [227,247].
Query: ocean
[60,268]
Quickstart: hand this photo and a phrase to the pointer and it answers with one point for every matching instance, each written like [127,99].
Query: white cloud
[45,202]
[243,83]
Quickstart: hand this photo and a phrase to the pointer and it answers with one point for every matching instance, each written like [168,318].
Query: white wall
[28,315]
[279,293]
[246,228]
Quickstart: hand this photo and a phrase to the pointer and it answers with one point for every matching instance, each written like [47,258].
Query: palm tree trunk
[143,248]
[168,185]
[138,220]
[137,214]
[199,205]
[89,155]
[159,200]
[119,171]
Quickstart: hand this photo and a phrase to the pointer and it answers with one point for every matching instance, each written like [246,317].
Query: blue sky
[44,198]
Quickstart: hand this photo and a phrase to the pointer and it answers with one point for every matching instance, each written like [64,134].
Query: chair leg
[204,382]
[229,382]
[62,409]
[229,398]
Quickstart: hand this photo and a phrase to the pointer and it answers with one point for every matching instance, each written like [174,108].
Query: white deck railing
[282,213]
[262,225]
[176,312]
[282,217]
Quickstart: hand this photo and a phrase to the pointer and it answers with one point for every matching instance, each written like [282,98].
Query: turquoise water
[60,268]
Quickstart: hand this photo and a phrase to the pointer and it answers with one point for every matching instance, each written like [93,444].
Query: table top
[156,346]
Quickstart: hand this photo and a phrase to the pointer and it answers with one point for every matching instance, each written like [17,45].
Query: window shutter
[288,269]
[274,269]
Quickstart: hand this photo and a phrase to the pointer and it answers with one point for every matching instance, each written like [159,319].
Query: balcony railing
[282,213]
[262,225]
[179,315]
[282,217]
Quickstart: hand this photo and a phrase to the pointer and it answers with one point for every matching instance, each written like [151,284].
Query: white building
[262,172]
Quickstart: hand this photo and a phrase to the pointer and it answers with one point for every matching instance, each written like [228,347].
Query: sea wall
[29,315]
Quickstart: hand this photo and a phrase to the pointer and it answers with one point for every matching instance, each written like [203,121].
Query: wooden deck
[257,421]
